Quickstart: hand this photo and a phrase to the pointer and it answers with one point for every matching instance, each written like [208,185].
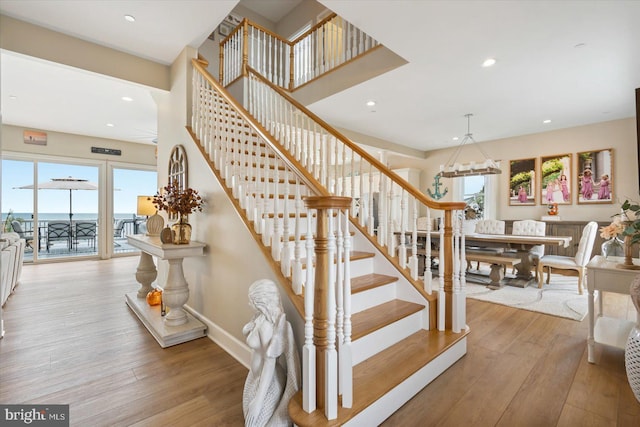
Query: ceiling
[571,62]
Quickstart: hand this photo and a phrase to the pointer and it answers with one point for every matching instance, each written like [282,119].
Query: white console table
[177,326]
[603,275]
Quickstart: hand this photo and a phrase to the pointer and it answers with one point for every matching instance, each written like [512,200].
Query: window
[473,189]
[479,193]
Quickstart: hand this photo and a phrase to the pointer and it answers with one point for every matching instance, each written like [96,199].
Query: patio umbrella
[68,183]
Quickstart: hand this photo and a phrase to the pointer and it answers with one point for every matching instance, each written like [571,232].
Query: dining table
[518,245]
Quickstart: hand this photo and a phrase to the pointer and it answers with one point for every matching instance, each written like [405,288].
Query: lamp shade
[146,206]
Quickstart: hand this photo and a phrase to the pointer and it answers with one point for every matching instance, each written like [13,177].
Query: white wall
[220,280]
[617,134]
[77,146]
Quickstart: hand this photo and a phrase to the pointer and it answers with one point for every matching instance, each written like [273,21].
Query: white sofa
[11,257]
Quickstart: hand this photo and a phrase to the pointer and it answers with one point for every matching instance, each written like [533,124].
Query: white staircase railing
[329,44]
[277,157]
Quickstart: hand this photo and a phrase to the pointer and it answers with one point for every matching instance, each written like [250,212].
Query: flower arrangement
[177,201]
[626,223]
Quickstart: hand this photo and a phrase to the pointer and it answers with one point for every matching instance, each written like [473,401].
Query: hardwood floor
[71,339]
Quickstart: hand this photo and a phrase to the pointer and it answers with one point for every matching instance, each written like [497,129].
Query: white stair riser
[372,297]
[377,341]
[361,267]
[382,408]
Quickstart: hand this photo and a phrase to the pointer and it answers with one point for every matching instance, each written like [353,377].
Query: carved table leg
[176,294]
[145,274]
[524,275]
[496,276]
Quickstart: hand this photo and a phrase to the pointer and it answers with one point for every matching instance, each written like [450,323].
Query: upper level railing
[329,44]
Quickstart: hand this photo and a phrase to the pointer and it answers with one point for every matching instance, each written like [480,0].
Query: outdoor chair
[577,263]
[28,237]
[58,231]
[118,231]
[85,230]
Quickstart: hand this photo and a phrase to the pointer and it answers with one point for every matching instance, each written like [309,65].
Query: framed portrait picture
[555,179]
[522,182]
[595,176]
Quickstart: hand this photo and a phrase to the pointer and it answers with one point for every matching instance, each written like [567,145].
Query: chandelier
[453,169]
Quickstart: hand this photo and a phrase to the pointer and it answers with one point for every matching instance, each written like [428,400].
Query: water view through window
[63,217]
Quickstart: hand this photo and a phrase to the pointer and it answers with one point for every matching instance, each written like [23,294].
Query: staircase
[376,330]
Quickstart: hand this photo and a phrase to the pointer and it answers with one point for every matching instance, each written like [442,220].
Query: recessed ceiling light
[371,103]
[13,97]
[488,62]
[455,138]
[110,125]
[129,18]
[126,98]
[579,45]
[546,121]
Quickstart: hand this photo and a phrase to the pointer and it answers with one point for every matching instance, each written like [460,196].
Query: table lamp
[155,222]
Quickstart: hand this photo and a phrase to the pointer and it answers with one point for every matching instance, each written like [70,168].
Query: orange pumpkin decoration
[154,297]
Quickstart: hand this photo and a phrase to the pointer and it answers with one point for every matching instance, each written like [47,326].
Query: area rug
[560,298]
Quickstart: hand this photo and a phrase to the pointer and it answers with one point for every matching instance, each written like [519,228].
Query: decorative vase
[154,297]
[612,247]
[181,232]
[166,236]
[628,255]
[632,349]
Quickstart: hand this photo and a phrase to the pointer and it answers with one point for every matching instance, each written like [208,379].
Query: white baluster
[346,363]
[428,274]
[403,229]
[299,248]
[309,349]
[413,261]
[331,358]
[441,294]
[276,238]
[285,254]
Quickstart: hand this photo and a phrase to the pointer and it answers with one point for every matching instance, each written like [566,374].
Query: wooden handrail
[286,157]
[314,28]
[362,153]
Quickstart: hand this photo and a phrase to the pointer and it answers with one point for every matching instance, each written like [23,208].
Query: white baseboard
[236,348]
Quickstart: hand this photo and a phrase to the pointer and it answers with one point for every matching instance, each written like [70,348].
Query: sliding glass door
[66,210]
[128,184]
[67,213]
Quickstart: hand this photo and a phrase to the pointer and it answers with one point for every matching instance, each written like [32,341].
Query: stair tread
[374,318]
[370,281]
[379,374]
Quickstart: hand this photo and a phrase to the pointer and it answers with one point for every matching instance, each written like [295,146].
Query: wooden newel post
[448,270]
[245,47]
[322,204]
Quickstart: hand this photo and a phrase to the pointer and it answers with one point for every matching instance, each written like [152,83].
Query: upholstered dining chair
[487,226]
[530,227]
[577,263]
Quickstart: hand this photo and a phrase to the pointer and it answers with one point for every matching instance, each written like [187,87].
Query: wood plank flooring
[70,338]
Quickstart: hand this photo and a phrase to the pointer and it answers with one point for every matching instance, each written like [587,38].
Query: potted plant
[179,202]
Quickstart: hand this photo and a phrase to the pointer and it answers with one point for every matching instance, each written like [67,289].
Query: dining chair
[85,230]
[530,227]
[28,238]
[58,231]
[577,263]
[486,226]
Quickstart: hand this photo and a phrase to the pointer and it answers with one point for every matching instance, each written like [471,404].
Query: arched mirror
[178,170]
